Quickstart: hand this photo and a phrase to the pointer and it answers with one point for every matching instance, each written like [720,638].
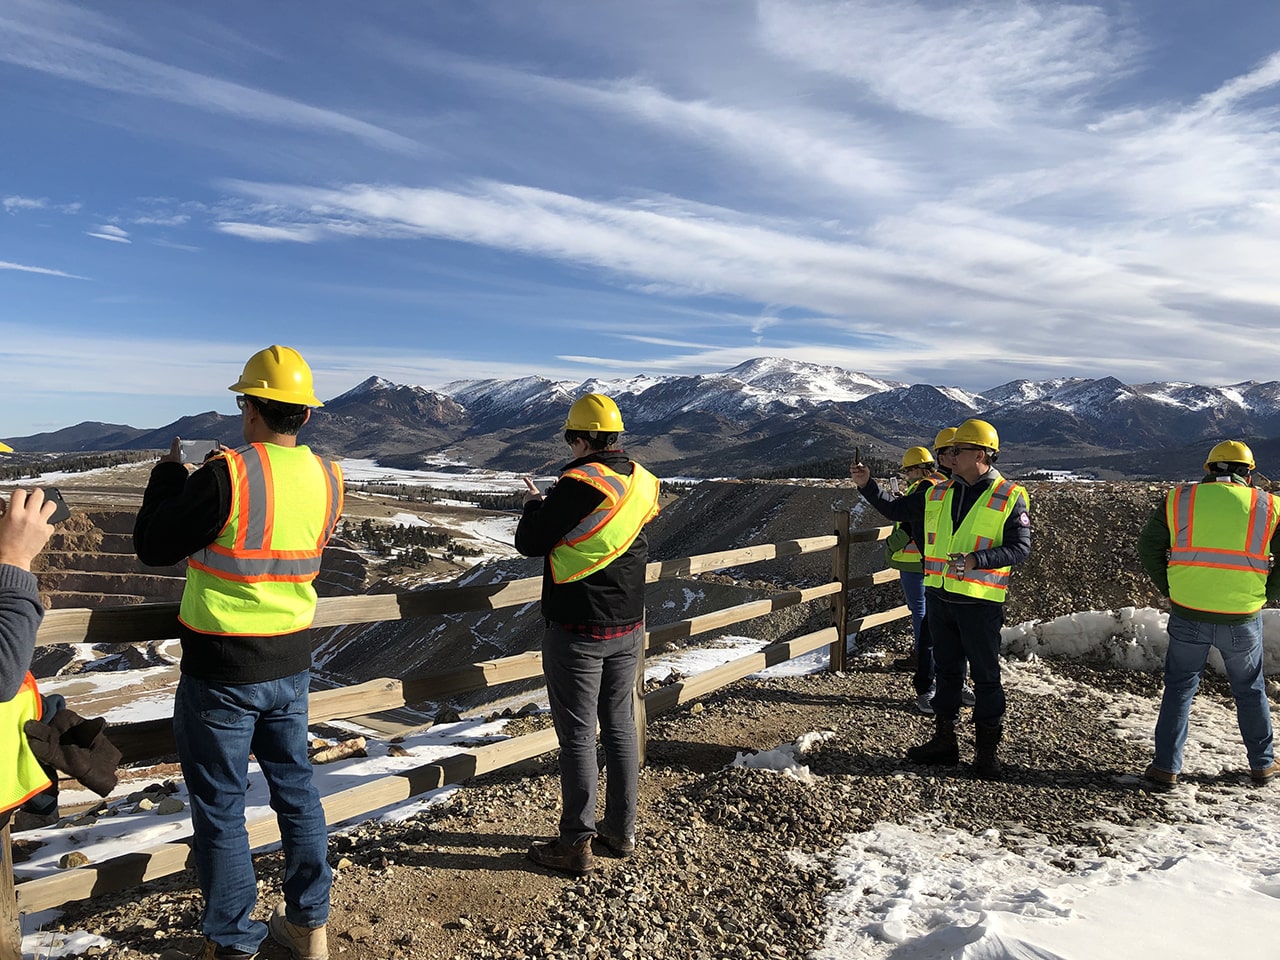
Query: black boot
[987,737]
[942,749]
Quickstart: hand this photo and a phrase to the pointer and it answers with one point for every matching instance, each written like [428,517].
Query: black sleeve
[908,509]
[181,513]
[546,521]
[20,614]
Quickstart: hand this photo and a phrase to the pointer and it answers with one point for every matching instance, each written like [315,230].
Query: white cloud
[110,232]
[12,204]
[978,64]
[5,265]
[172,220]
[58,52]
[266,233]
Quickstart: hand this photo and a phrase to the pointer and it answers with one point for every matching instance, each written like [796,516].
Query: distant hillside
[760,418]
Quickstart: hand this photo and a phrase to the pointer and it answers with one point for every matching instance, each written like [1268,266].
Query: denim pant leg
[913,594]
[618,733]
[948,653]
[573,667]
[1241,648]
[1189,643]
[213,728]
[280,746]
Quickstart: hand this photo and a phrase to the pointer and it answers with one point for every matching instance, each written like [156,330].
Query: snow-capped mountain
[764,413]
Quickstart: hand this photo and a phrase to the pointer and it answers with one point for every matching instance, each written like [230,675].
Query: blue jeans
[589,679]
[216,725]
[967,632]
[1241,647]
[913,593]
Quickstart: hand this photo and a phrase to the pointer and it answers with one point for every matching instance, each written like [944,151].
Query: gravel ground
[731,862]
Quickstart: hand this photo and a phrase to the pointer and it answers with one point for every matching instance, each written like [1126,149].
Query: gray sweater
[20,615]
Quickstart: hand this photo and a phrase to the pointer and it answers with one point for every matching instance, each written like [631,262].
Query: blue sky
[959,194]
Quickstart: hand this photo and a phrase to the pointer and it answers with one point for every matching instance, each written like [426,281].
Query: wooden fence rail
[149,622]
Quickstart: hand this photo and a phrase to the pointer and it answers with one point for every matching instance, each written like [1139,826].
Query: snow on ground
[918,891]
[483,481]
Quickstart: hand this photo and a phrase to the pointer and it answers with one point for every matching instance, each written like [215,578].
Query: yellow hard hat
[278,373]
[1230,451]
[917,457]
[979,433]
[945,438]
[594,413]
[5,448]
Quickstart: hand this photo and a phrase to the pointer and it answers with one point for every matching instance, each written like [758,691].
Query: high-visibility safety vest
[255,578]
[981,529]
[1220,546]
[607,531]
[21,776]
[902,552]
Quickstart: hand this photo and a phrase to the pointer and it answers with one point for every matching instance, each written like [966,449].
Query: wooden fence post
[840,599]
[10,926]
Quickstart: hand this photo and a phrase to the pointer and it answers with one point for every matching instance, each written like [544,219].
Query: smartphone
[62,511]
[894,486]
[197,451]
[857,454]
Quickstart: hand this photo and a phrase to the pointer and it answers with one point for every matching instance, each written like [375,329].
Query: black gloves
[77,747]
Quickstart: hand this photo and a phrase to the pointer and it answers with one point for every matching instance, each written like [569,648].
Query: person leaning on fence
[39,736]
[589,527]
[253,523]
[976,528]
[1210,548]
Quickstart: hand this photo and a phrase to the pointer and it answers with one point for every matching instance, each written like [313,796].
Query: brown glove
[76,746]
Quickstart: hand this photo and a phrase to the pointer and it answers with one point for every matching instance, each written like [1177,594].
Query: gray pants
[589,679]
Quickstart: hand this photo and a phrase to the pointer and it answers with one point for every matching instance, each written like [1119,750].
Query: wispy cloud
[979,64]
[60,52]
[47,271]
[110,232]
[12,204]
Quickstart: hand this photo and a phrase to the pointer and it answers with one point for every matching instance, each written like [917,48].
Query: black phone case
[62,511]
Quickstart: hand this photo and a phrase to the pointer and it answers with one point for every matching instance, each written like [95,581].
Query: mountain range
[765,416]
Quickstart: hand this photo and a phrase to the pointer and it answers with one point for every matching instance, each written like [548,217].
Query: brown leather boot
[575,859]
[303,943]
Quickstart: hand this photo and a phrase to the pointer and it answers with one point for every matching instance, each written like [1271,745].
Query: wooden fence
[150,622]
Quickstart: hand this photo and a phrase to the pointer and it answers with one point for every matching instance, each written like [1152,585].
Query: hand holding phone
[198,451]
[533,493]
[61,511]
[23,527]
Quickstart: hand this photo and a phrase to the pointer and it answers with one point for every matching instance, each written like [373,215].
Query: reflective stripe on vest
[255,578]
[981,529]
[21,776]
[605,533]
[1220,542]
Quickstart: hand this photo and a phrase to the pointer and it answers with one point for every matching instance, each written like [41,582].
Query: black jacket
[613,596]
[181,514]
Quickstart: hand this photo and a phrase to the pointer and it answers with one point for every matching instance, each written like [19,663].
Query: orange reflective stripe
[333,479]
[251,559]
